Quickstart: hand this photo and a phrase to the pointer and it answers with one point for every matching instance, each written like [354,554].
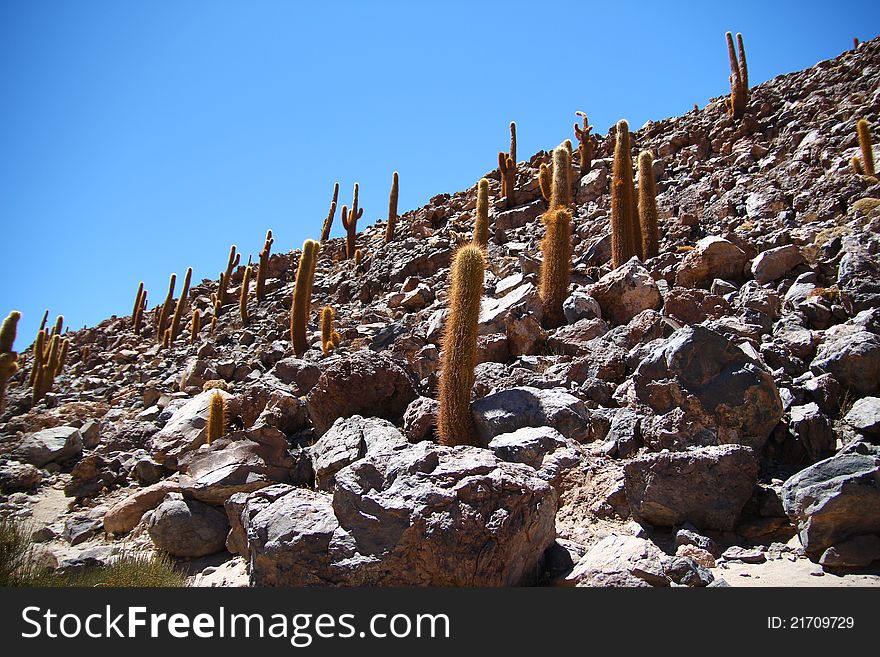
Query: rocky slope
[715,405]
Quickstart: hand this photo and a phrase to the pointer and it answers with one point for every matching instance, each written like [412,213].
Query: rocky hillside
[717,404]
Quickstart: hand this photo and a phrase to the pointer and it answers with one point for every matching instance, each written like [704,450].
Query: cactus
[560,192]
[556,265]
[866,165]
[855,42]
[512,152]
[243,299]
[138,306]
[743,67]
[507,168]
[8,357]
[65,345]
[213,325]
[263,270]
[45,319]
[220,298]
[349,222]
[59,325]
[454,422]
[648,207]
[302,292]
[216,427]
[84,355]
[857,166]
[181,306]
[196,326]
[358,257]
[481,225]
[39,352]
[392,208]
[162,321]
[585,144]
[545,181]
[327,329]
[328,222]
[45,377]
[624,242]
[736,105]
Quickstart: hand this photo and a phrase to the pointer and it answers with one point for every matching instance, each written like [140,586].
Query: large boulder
[422,516]
[625,292]
[775,263]
[187,528]
[54,445]
[853,357]
[348,440]
[706,486]
[834,500]
[713,257]
[124,516]
[16,476]
[864,416]
[700,375]
[365,383]
[186,430]
[617,561]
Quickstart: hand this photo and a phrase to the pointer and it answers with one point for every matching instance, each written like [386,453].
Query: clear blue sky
[140,138]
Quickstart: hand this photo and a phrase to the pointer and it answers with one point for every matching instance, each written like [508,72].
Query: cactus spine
[867,163]
[196,326]
[349,222]
[243,299]
[263,270]
[8,357]
[216,426]
[624,244]
[392,208]
[328,222]
[454,422]
[481,225]
[302,292]
[736,105]
[648,207]
[181,305]
[327,329]
[585,144]
[161,323]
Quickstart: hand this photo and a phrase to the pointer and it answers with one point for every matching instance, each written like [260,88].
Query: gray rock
[420,419]
[864,416]
[625,292]
[775,263]
[617,560]
[528,445]
[856,552]
[54,445]
[187,528]
[713,257]
[580,305]
[16,476]
[79,528]
[813,431]
[185,431]
[853,358]
[688,537]
[706,486]
[687,572]
[834,500]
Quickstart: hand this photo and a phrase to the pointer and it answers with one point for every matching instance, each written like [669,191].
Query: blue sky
[140,138]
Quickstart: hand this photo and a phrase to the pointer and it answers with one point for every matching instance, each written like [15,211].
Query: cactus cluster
[507,170]
[454,421]
[8,357]
[739,77]
[349,222]
[302,296]
[329,338]
[392,208]
[219,298]
[328,222]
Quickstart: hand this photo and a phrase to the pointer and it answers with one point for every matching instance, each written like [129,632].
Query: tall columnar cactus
[454,422]
[327,315]
[739,76]
[866,165]
[45,378]
[358,257]
[585,143]
[392,208]
[349,222]
[507,169]
[328,222]
[648,207]
[138,304]
[302,293]
[243,299]
[857,166]
[263,271]
[624,242]
[556,265]
[545,181]
[62,356]
[231,264]
[560,193]
[512,152]
[481,225]
[196,326]
[177,321]
[162,321]
[217,420]
[8,357]
[39,354]
[45,319]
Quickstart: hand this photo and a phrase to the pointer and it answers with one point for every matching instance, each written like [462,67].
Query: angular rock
[854,360]
[420,419]
[813,431]
[16,476]
[185,431]
[528,445]
[856,552]
[302,374]
[580,305]
[864,416]
[123,516]
[706,486]
[712,257]
[187,528]
[573,339]
[54,445]
[625,292]
[775,263]
[617,560]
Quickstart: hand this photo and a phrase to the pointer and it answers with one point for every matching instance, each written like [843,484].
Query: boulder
[187,528]
[625,292]
[775,263]
[528,445]
[864,416]
[705,486]
[693,305]
[853,357]
[123,516]
[574,339]
[16,476]
[580,305]
[348,440]
[712,257]
[813,431]
[54,445]
[834,500]
[364,383]
[620,561]
[422,516]
[185,431]
[420,419]
[856,552]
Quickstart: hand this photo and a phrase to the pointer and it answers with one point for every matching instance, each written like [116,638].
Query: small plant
[176,322]
[866,165]
[481,225]
[648,207]
[349,222]
[739,78]
[328,222]
[302,296]
[585,143]
[8,357]
[217,420]
[17,562]
[243,298]
[454,422]
[625,242]
[263,271]
[162,321]
[392,208]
